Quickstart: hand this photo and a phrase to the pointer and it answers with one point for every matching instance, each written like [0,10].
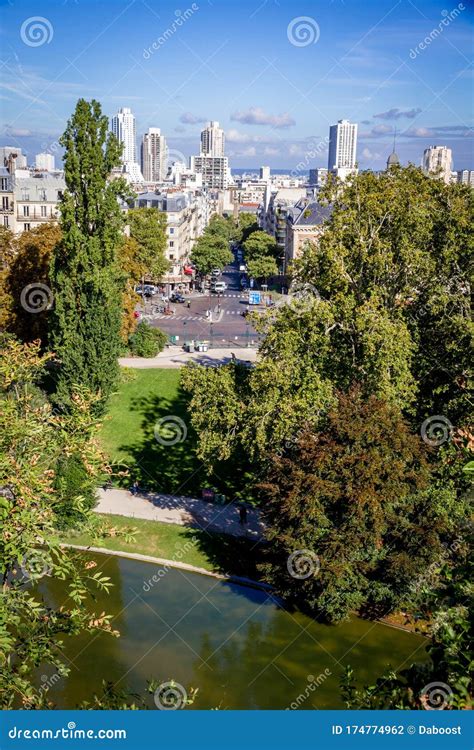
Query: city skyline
[274,78]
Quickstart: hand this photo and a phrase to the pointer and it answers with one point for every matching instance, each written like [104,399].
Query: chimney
[11,163]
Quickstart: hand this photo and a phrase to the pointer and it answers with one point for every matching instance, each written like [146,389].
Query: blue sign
[255,298]
[234,730]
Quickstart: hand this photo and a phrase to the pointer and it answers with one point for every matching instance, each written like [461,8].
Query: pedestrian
[243,515]
[188,304]
[135,488]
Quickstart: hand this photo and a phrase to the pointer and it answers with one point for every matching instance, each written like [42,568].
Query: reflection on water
[237,645]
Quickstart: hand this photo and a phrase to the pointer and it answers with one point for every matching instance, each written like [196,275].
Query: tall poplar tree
[85,275]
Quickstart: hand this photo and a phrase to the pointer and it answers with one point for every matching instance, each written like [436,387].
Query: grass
[219,553]
[128,433]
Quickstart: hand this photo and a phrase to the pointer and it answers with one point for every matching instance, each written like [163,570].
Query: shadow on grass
[163,457]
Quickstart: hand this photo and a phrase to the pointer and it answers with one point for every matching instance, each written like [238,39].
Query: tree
[32,441]
[85,274]
[148,229]
[247,224]
[260,244]
[262,267]
[7,255]
[29,285]
[210,252]
[353,499]
[147,341]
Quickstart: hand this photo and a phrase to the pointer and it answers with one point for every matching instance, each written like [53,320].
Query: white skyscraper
[45,161]
[154,155]
[438,159]
[123,126]
[212,140]
[342,148]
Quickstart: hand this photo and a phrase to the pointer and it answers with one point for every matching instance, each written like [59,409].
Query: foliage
[147,341]
[85,273]
[355,495]
[148,229]
[7,256]
[32,440]
[260,244]
[76,492]
[449,649]
[262,267]
[212,249]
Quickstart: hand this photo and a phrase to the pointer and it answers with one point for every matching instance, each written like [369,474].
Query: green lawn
[128,433]
[220,553]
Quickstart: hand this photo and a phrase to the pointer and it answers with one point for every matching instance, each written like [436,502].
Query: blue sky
[275,74]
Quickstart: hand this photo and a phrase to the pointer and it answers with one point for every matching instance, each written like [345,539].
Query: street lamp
[211,332]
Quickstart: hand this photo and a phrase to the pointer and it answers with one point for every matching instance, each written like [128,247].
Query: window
[26,210]
[171,243]
[5,221]
[5,204]
[44,211]
[26,227]
[171,230]
[4,183]
[42,194]
[171,257]
[25,194]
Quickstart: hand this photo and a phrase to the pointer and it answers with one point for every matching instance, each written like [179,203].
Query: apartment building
[28,198]
[304,224]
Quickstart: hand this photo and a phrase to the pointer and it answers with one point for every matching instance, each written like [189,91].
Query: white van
[218,286]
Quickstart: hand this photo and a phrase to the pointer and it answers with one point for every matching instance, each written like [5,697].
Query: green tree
[210,251]
[32,441]
[262,267]
[354,499]
[148,229]
[260,244]
[85,274]
[147,341]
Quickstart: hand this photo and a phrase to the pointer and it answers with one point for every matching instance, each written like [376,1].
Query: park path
[175,356]
[181,510]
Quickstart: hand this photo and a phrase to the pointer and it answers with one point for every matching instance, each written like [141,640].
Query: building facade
[45,162]
[438,160]
[342,149]
[154,156]
[465,177]
[213,140]
[28,198]
[304,224]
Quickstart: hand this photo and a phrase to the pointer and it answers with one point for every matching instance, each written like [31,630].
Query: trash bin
[189,346]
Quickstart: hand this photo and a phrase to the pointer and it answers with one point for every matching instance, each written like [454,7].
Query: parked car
[243,283]
[177,297]
[218,286]
[216,272]
[242,268]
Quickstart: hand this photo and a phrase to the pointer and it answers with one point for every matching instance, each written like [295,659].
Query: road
[227,328]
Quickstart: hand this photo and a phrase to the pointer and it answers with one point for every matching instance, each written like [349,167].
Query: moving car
[218,286]
[177,297]
[148,290]
[216,272]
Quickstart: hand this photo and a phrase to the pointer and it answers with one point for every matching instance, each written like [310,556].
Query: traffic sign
[255,298]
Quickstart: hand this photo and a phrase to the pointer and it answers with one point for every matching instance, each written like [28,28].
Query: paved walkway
[184,511]
[175,356]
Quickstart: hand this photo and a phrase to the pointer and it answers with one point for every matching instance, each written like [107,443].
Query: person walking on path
[135,489]
[189,304]
[243,515]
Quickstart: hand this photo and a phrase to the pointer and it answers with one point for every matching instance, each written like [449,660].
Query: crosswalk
[202,318]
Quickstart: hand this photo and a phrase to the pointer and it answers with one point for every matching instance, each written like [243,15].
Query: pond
[237,645]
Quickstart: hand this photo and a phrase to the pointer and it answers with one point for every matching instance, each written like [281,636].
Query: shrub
[147,341]
[76,492]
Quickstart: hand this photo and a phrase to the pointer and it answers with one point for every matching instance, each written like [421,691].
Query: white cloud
[258,116]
